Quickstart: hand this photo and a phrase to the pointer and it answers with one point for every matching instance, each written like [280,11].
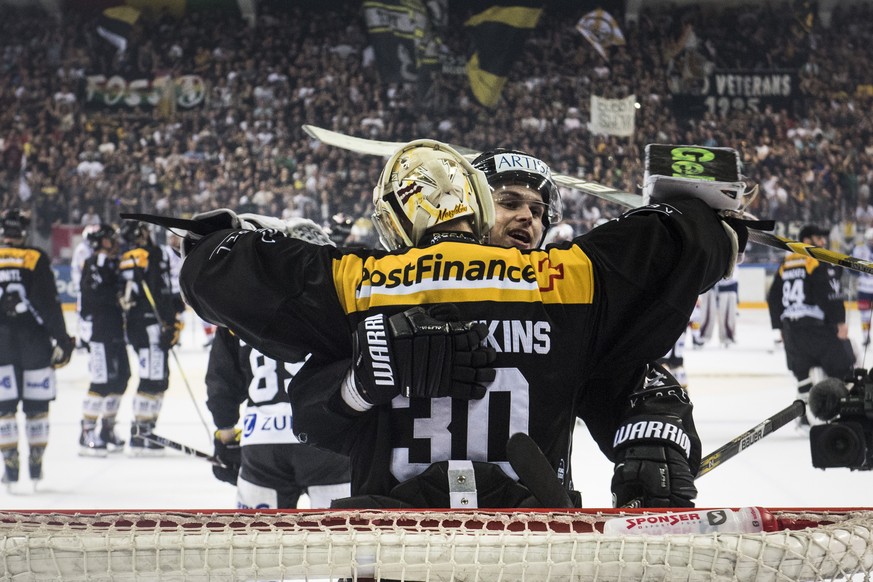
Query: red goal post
[434,545]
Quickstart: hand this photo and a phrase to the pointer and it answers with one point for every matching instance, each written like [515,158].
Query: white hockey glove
[86,328]
[223,219]
[226,219]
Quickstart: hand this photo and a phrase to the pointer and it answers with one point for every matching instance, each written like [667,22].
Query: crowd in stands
[243,147]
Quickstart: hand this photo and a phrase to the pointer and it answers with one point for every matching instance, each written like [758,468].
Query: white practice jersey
[865,281]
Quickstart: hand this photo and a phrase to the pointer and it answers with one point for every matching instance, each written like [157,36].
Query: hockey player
[81,252]
[544,310]
[33,343]
[864,251]
[718,306]
[527,203]
[269,466]
[152,325]
[806,303]
[102,326]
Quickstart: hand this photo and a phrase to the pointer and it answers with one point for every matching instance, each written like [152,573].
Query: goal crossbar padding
[470,545]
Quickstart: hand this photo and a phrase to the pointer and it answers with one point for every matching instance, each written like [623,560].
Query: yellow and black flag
[498,34]
[116,25]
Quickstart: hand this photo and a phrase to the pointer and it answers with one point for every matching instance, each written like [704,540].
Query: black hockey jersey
[28,293]
[238,374]
[146,270]
[100,287]
[560,319]
[806,291]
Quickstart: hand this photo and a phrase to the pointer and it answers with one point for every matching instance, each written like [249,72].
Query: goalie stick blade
[370,147]
[535,472]
[628,199]
[750,437]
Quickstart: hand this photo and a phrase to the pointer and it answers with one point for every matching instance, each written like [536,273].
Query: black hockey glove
[651,467]
[62,352]
[228,454]
[170,334]
[422,354]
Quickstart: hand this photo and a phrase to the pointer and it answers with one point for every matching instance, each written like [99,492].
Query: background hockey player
[102,331]
[153,326]
[806,302]
[269,466]
[323,291]
[33,343]
[81,252]
[864,251]
[719,307]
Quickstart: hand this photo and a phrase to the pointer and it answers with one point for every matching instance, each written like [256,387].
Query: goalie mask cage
[434,545]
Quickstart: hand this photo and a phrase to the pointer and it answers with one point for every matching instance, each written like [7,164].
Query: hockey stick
[165,442]
[151,299]
[742,442]
[750,437]
[535,471]
[627,199]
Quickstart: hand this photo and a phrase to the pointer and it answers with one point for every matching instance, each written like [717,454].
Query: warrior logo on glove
[422,354]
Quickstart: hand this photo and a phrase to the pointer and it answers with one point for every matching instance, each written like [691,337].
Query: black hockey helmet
[14,223]
[97,233]
[504,167]
[133,232]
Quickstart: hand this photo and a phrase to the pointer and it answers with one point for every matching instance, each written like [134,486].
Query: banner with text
[726,91]
[185,91]
[613,116]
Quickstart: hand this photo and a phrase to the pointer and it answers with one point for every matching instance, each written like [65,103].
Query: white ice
[733,389]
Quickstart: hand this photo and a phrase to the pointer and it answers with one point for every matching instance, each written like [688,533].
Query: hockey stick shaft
[171,444]
[386,148]
[535,471]
[750,437]
[151,299]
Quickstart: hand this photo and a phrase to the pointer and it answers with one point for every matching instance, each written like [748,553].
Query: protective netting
[421,545]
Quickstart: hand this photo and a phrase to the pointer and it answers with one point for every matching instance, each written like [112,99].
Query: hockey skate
[90,443]
[114,443]
[142,447]
[35,463]
[10,468]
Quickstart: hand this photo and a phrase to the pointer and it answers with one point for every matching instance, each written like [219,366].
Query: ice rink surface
[733,390]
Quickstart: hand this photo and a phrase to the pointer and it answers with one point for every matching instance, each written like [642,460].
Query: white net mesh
[421,545]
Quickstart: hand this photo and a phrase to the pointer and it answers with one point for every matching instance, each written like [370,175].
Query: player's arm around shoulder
[650,244]
[269,289]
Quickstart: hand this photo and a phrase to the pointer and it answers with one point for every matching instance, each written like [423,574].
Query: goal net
[436,545]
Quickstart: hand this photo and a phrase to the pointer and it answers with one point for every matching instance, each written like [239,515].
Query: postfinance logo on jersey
[462,272]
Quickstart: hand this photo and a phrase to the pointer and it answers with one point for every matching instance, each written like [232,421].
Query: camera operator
[806,304]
